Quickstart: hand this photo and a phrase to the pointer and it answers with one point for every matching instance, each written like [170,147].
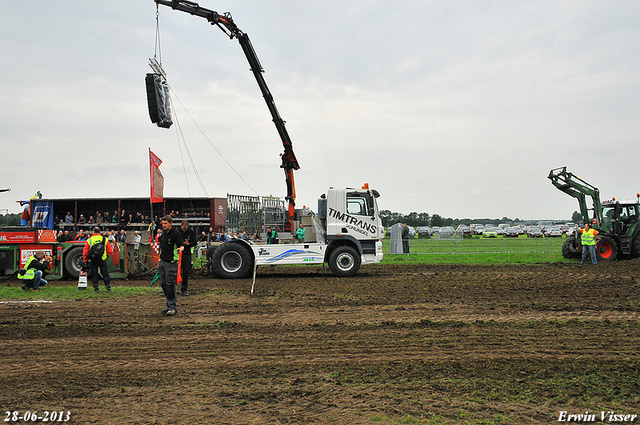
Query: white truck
[346,232]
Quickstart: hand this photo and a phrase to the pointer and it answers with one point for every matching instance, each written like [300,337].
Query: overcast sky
[458,108]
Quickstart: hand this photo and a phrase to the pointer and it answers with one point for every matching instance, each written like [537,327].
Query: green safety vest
[97,239]
[31,273]
[588,237]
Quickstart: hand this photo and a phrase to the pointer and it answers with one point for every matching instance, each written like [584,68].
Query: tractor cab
[619,217]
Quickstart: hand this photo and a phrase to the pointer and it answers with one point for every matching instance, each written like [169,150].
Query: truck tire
[344,261]
[571,249]
[606,249]
[73,261]
[232,260]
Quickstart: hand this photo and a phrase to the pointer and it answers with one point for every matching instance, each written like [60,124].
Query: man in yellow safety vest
[103,251]
[588,243]
[33,270]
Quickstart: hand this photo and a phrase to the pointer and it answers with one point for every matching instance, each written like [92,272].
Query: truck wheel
[73,261]
[571,249]
[344,261]
[606,249]
[232,260]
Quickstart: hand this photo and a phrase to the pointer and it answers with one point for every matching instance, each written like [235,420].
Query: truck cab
[353,220]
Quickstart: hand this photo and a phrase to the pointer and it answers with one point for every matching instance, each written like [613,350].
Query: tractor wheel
[73,262]
[344,261]
[635,247]
[571,249]
[606,249]
[232,260]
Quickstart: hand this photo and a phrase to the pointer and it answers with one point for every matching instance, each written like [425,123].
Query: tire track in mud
[372,341]
[310,348]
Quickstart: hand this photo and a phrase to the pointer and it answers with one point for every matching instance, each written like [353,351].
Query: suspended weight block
[158,100]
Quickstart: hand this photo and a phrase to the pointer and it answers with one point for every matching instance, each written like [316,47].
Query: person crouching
[34,270]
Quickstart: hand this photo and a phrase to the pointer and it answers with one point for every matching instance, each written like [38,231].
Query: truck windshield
[359,203]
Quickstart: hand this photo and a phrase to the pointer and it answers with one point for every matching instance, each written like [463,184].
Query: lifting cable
[184,168]
[157,56]
[157,53]
[180,136]
[211,143]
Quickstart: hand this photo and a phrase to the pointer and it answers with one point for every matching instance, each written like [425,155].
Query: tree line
[10,219]
[415,219]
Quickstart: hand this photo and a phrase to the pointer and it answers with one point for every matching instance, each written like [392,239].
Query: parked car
[545,224]
[464,231]
[490,233]
[446,232]
[511,232]
[491,227]
[424,232]
[534,232]
[476,229]
[554,232]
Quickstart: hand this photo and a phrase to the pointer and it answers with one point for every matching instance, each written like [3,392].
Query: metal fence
[254,214]
[480,246]
[244,213]
[274,213]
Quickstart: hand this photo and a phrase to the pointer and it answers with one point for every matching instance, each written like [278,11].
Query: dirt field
[408,344]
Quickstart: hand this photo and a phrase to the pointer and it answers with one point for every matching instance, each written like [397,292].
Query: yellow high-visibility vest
[588,236]
[97,239]
[31,273]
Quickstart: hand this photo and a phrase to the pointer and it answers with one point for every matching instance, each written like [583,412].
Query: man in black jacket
[405,239]
[189,236]
[171,243]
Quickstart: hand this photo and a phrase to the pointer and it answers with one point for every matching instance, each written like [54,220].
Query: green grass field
[68,290]
[478,251]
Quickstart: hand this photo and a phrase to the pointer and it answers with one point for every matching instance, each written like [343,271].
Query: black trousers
[95,277]
[186,268]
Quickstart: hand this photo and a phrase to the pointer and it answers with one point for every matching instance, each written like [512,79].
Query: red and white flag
[157,180]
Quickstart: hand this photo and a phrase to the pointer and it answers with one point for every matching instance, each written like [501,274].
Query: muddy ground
[397,344]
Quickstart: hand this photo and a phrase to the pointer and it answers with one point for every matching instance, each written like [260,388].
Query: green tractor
[616,221]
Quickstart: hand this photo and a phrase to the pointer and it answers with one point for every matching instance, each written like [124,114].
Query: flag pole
[157,181]
[151,219]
